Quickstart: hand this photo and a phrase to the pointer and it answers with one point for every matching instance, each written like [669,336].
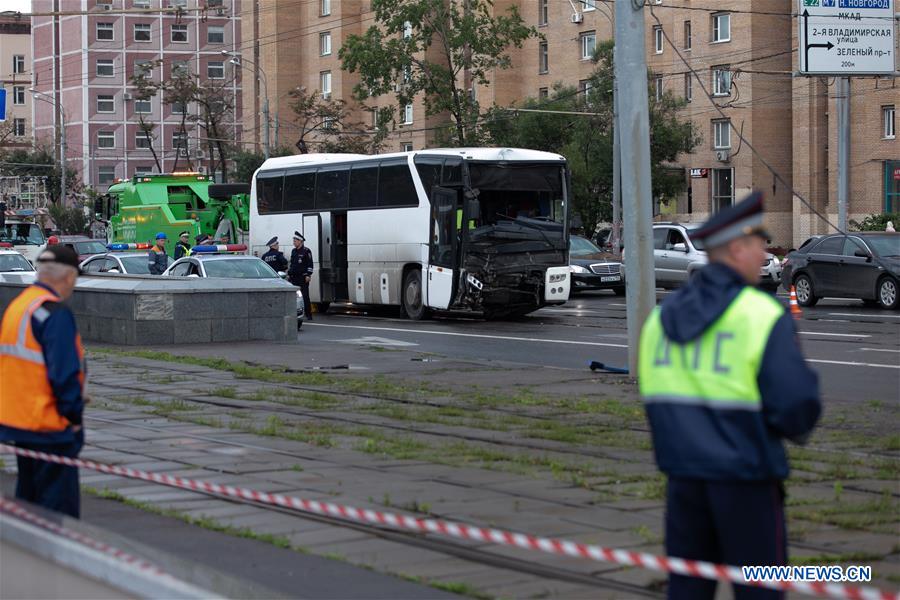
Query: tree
[329,125]
[70,220]
[438,50]
[38,163]
[587,140]
[246,163]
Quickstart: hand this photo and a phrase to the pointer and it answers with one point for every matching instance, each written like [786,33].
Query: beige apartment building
[15,77]
[743,52]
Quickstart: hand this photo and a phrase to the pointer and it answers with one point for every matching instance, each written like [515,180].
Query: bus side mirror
[98,207]
[473,208]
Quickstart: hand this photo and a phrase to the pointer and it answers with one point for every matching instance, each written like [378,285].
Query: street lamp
[62,139]
[237,60]
[615,236]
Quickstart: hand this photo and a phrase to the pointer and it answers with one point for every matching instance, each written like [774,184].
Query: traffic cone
[796,312]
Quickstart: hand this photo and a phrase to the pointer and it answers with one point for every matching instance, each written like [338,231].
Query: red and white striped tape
[665,564]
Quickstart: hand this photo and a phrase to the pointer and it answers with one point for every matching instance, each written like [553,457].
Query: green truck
[135,210]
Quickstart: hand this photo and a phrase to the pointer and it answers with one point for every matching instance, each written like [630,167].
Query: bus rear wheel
[413,299]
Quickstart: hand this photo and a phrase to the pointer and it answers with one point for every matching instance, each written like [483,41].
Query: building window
[888,116]
[180,142]
[325,84]
[723,189]
[658,87]
[105,32]
[141,141]
[543,12]
[408,114]
[215,34]
[105,68]
[657,39]
[180,68]
[406,147]
[142,3]
[585,86]
[588,43]
[106,139]
[687,35]
[721,27]
[177,3]
[179,108]
[143,107]
[589,5]
[142,32]
[104,4]
[106,175]
[143,68]
[179,34]
[543,58]
[407,30]
[18,63]
[543,93]
[721,80]
[325,8]
[19,127]
[215,69]
[688,87]
[19,95]
[722,134]
[105,104]
[325,43]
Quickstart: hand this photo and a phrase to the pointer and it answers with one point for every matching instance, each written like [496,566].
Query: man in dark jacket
[42,376]
[724,382]
[157,259]
[182,246]
[275,257]
[301,270]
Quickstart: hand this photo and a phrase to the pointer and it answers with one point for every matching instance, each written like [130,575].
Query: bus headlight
[558,277]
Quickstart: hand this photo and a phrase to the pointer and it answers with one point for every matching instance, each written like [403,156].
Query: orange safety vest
[26,399]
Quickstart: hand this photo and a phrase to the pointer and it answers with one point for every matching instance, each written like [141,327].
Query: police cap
[299,236]
[272,242]
[742,219]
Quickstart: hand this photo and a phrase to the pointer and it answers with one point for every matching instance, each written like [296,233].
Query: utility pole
[843,119]
[276,129]
[633,128]
[616,235]
[62,157]
[266,127]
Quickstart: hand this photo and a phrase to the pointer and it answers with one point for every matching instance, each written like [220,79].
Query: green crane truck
[135,210]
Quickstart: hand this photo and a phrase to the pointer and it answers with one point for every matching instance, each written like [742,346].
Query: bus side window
[364,186]
[300,191]
[452,172]
[395,186]
[429,172]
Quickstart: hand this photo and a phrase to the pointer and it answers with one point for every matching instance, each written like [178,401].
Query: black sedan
[592,269]
[863,265]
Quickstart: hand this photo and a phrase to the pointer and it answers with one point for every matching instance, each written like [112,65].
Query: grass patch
[830,559]
[228,391]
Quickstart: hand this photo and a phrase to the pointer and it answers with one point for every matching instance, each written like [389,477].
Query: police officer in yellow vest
[723,382]
[42,382]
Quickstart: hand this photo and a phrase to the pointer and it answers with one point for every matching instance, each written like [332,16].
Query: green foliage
[587,141]
[69,219]
[245,162]
[38,163]
[875,222]
[435,50]
[328,124]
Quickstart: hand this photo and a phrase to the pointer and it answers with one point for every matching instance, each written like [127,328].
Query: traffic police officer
[301,270]
[42,382]
[723,382]
[274,257]
[158,260]
[182,246]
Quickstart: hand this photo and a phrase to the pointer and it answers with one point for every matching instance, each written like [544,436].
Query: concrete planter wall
[146,310]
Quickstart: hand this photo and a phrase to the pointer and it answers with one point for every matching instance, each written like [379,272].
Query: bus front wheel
[413,298]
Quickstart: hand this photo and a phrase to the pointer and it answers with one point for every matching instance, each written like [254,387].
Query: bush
[875,222]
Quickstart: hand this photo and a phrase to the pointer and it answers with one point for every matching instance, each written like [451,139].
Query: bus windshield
[519,196]
[22,234]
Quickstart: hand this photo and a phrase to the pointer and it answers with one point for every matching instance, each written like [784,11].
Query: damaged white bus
[480,230]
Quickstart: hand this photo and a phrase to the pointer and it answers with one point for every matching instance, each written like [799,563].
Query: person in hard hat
[42,376]
[158,260]
[301,270]
[724,382]
[183,245]
[52,240]
[275,257]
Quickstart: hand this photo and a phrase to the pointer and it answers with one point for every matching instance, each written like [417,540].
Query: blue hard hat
[161,236]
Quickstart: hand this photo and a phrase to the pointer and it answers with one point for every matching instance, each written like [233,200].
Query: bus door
[312,231]
[443,247]
[333,262]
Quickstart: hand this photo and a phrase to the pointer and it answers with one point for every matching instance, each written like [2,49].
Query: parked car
[13,262]
[676,256]
[592,269]
[231,266]
[863,265]
[83,245]
[124,263]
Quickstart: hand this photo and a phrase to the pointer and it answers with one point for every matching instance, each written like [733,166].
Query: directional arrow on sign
[827,46]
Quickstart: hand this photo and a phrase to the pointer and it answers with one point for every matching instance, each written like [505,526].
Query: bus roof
[487,154]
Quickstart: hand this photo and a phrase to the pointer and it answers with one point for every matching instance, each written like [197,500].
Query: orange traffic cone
[796,312]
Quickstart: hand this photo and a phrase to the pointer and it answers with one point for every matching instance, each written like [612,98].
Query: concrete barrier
[139,310]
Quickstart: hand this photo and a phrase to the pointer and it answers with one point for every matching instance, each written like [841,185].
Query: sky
[16,5]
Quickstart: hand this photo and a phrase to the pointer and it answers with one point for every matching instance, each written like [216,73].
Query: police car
[124,259]
[221,261]
[13,262]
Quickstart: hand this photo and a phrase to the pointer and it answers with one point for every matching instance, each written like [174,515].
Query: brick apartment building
[85,61]
[15,77]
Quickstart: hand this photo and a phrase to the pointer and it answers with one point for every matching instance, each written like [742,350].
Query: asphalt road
[855,349]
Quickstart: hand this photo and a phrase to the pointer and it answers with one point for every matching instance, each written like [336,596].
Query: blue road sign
[2,104]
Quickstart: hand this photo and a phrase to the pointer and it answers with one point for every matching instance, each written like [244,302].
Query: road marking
[878,350]
[853,335]
[851,364]
[864,315]
[377,341]
[470,335]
